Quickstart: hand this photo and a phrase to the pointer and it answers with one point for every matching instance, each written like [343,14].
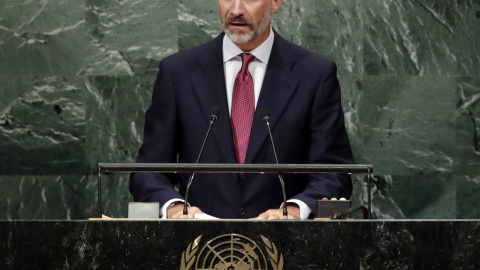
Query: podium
[240,244]
[301,245]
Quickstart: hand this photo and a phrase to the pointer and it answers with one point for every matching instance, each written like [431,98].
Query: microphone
[266,117]
[213,117]
[349,211]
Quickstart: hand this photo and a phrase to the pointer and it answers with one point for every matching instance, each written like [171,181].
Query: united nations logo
[231,252]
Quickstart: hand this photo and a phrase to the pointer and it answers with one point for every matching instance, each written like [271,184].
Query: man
[248,68]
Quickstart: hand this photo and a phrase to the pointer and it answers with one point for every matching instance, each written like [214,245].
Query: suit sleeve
[160,143]
[329,142]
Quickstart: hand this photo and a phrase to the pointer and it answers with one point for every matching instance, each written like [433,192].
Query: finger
[192,211]
[262,216]
[266,215]
[177,215]
[274,216]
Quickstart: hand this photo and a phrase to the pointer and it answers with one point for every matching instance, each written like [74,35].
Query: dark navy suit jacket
[301,91]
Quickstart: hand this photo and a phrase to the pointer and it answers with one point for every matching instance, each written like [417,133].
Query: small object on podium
[326,209]
[149,210]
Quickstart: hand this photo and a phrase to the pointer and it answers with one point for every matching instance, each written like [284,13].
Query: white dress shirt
[232,63]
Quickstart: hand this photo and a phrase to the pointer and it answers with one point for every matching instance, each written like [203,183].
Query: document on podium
[204,216]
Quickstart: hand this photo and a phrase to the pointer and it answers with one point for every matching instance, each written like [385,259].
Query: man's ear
[276,5]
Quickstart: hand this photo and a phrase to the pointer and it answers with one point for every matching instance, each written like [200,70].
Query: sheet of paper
[204,216]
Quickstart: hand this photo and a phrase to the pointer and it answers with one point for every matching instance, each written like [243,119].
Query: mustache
[237,19]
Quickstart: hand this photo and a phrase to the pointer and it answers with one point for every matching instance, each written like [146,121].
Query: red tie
[243,108]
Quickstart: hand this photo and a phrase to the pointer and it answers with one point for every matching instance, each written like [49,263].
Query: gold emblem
[231,252]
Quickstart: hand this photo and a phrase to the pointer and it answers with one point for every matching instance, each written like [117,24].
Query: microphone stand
[213,117]
[266,118]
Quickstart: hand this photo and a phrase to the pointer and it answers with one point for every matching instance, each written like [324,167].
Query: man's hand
[176,211]
[292,209]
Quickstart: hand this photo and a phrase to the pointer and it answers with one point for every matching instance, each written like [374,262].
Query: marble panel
[198,22]
[42,37]
[115,195]
[359,194]
[421,37]
[116,109]
[26,197]
[332,28]
[129,37]
[468,188]
[467,160]
[408,124]
[42,125]
[115,115]
[352,87]
[91,195]
[408,197]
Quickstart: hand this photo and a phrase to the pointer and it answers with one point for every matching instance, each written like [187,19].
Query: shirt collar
[262,52]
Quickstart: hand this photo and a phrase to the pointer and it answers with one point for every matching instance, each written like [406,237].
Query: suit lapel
[279,84]
[208,83]
[278,87]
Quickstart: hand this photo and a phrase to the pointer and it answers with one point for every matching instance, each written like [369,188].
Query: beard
[239,36]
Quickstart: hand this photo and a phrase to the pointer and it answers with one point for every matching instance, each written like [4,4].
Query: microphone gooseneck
[213,117]
[266,117]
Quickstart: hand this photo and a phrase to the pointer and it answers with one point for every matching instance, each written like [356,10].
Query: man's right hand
[176,211]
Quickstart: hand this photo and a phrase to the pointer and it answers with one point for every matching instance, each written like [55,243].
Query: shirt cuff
[165,206]
[305,211]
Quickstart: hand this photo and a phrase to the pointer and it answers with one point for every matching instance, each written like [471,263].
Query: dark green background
[76,79]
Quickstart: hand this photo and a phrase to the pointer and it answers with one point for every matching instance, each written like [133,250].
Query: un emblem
[231,252]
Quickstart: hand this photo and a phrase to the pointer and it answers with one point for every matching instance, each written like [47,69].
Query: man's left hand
[292,209]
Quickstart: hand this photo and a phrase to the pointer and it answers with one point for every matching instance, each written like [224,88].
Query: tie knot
[247,58]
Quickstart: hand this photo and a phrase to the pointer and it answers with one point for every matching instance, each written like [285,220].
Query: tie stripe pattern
[243,108]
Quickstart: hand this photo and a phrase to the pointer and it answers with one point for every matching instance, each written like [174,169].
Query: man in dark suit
[299,88]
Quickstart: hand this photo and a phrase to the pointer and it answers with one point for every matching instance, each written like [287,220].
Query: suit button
[241,211]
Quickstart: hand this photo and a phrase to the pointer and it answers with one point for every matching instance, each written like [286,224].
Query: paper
[204,216]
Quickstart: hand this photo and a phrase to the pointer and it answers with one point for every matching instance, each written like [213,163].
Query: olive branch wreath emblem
[189,255]
[275,260]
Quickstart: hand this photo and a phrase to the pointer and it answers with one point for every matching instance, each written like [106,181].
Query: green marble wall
[76,79]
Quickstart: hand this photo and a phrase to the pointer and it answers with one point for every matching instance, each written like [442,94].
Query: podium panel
[235,244]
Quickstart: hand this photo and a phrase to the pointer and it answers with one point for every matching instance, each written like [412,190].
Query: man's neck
[251,45]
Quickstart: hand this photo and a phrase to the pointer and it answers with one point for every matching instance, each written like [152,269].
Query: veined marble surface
[129,37]
[421,37]
[407,124]
[76,79]
[44,37]
[42,125]
[378,244]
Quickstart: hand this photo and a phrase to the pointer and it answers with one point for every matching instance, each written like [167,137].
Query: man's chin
[239,37]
